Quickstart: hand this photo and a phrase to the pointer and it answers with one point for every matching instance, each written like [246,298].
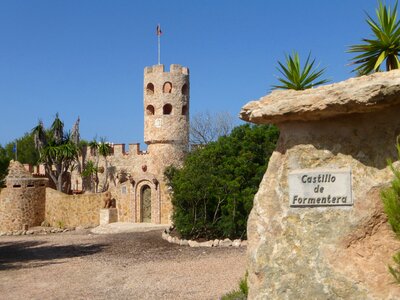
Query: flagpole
[159,46]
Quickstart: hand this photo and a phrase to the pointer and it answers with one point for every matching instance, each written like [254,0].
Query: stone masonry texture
[326,252]
[22,201]
[166,133]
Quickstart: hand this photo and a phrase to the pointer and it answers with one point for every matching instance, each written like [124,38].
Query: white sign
[158,122]
[320,187]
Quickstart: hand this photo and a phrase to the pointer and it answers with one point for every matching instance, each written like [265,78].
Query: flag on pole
[15,150]
[158,30]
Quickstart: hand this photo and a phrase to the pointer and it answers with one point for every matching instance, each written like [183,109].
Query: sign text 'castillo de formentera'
[320,187]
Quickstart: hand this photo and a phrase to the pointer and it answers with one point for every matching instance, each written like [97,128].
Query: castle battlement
[174,68]
[119,150]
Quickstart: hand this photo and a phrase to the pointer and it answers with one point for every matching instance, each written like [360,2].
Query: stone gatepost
[317,229]
[108,215]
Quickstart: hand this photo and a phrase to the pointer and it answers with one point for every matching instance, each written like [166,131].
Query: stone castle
[136,178]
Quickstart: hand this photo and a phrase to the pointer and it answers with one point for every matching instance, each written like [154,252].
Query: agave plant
[385,45]
[296,77]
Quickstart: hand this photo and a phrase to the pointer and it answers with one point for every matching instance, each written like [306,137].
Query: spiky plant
[384,46]
[296,77]
[391,205]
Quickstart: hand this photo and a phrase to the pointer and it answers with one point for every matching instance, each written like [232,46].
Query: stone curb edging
[211,243]
[41,231]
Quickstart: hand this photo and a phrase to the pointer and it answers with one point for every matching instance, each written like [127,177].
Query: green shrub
[395,271]
[391,205]
[391,199]
[213,192]
[244,288]
[61,224]
[240,294]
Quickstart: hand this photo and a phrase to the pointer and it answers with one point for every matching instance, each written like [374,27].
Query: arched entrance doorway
[145,200]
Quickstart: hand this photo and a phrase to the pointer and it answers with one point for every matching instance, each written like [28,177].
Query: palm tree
[57,129]
[58,153]
[104,150]
[91,171]
[39,136]
[297,78]
[385,45]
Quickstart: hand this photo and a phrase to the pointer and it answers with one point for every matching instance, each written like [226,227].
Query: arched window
[185,90]
[150,110]
[167,88]
[150,89]
[167,109]
[184,110]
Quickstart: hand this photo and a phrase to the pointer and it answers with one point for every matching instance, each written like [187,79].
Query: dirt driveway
[136,265]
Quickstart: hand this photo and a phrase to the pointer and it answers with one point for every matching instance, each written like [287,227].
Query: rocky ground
[133,265]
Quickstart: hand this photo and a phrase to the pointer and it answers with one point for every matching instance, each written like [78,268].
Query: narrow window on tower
[167,109]
[150,110]
[185,90]
[167,88]
[184,110]
[150,89]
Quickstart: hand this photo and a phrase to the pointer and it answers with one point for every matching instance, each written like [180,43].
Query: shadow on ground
[30,254]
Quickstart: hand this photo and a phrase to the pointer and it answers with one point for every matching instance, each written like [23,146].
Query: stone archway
[145,203]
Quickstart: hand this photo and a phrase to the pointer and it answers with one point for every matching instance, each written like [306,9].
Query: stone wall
[317,252]
[73,210]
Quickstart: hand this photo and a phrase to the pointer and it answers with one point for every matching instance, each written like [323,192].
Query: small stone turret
[22,201]
[166,105]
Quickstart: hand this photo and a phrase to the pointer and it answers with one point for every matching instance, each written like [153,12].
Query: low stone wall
[72,210]
[210,243]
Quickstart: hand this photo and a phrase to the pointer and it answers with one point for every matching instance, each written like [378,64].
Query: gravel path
[134,265]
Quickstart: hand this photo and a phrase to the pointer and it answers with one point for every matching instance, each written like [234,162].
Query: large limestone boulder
[326,252]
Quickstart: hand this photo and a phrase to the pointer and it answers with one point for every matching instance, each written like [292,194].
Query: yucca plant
[391,197]
[296,77]
[385,45]
[391,205]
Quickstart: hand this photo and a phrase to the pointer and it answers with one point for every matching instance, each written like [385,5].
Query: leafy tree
[4,162]
[384,46]
[27,154]
[58,153]
[26,151]
[213,192]
[296,77]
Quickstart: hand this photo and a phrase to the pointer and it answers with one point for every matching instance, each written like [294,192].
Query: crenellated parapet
[174,68]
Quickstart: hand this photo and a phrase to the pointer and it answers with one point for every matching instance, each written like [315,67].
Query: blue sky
[86,58]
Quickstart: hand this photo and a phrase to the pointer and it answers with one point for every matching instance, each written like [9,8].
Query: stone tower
[22,201]
[166,105]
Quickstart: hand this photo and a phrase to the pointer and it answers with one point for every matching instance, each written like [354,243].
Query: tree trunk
[105,180]
[391,63]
